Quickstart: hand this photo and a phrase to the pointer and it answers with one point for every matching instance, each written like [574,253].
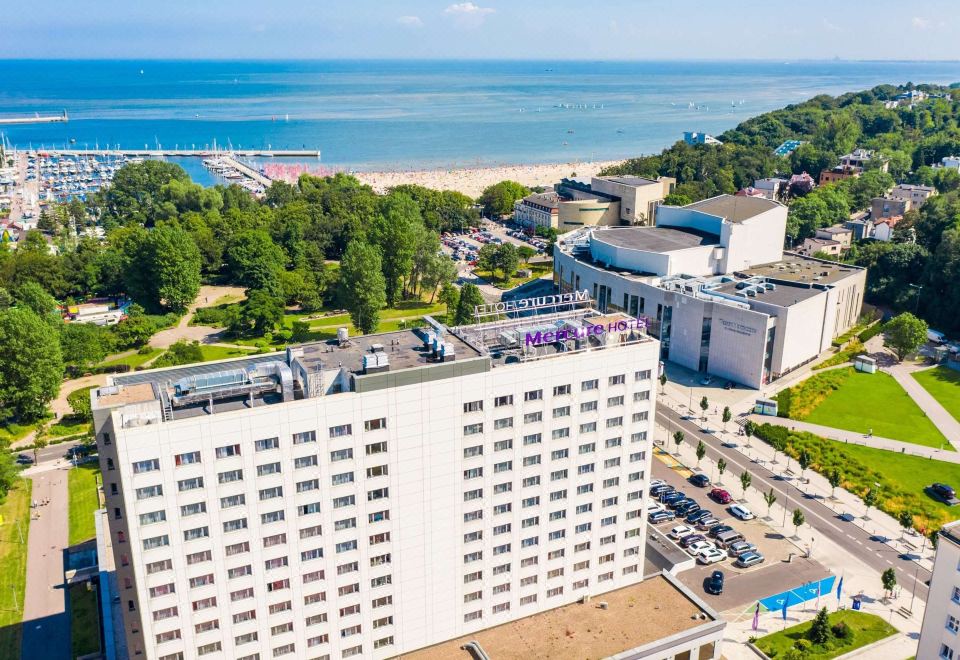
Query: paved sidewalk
[943,420]
[855,438]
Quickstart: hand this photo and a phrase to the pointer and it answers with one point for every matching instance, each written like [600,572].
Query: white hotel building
[940,634]
[377,496]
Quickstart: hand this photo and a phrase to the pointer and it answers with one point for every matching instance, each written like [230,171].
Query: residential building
[861,225]
[918,195]
[888,207]
[812,246]
[773,187]
[718,290]
[801,182]
[950,161]
[852,165]
[940,633]
[750,191]
[538,210]
[371,496]
[883,229]
[839,233]
[639,197]
[694,137]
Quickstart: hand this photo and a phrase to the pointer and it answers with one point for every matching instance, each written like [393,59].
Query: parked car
[658,517]
[720,496]
[686,508]
[701,480]
[728,538]
[653,506]
[742,512]
[711,556]
[729,385]
[944,492]
[698,515]
[707,523]
[719,529]
[707,381]
[679,532]
[748,559]
[715,583]
[23,459]
[655,483]
[659,489]
[729,444]
[671,499]
[694,548]
[686,541]
[740,547]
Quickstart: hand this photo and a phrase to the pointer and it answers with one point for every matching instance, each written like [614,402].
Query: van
[726,539]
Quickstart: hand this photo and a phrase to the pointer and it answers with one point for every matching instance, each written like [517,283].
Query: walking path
[183,331]
[943,420]
[46,621]
[855,438]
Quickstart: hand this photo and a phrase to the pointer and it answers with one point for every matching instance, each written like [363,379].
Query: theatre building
[718,289]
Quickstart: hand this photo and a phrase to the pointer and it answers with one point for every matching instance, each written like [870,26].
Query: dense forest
[910,138]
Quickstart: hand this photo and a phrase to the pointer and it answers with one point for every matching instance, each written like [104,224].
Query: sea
[414,114]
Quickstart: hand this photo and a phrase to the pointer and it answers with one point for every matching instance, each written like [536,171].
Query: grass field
[13,566]
[11,432]
[862,402]
[902,477]
[221,352]
[84,621]
[134,360]
[866,628]
[84,500]
[537,270]
[944,386]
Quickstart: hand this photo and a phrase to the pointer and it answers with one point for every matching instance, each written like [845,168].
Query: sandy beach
[472,181]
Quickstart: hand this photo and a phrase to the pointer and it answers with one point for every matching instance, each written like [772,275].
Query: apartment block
[371,496]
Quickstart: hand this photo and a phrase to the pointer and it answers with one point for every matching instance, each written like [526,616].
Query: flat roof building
[371,496]
[717,287]
[941,617]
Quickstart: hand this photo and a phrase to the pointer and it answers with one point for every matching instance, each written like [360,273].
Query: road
[851,538]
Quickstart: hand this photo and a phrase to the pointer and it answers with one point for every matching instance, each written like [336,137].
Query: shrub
[803,645]
[853,349]
[146,349]
[79,401]
[871,332]
[841,630]
[799,401]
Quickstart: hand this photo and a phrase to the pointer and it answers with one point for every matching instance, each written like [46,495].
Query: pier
[202,153]
[36,119]
[246,170]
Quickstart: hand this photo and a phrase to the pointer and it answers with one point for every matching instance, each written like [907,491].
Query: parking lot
[783,566]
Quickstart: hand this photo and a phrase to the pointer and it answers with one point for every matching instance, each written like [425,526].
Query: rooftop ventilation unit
[343,336]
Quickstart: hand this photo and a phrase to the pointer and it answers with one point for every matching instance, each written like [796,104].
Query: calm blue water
[397,114]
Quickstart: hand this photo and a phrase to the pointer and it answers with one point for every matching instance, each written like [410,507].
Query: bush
[841,630]
[79,401]
[146,349]
[799,401]
[180,353]
[803,645]
[871,332]
[217,317]
[852,350]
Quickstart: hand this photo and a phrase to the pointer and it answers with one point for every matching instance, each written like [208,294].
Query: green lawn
[11,432]
[866,628]
[13,566]
[944,386]
[538,270]
[133,361]
[876,401]
[211,353]
[84,501]
[69,425]
[84,621]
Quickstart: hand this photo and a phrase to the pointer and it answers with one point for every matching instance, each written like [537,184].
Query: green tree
[727,416]
[134,196]
[526,253]
[34,297]
[677,199]
[499,198]
[83,344]
[678,439]
[745,480]
[837,134]
[470,297]
[721,467]
[904,334]
[905,518]
[507,259]
[819,632]
[363,285]
[870,499]
[181,352]
[450,296]
[805,460]
[261,312]
[663,382]
[701,451]
[934,536]
[135,330]
[704,406]
[770,498]
[79,401]
[835,479]
[889,580]
[798,520]
[394,232]
[31,363]
[254,261]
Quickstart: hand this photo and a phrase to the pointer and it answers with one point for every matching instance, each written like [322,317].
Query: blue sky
[484,29]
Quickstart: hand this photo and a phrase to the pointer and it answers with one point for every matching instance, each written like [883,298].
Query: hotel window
[531,501]
[267,444]
[472,596]
[346,546]
[615,401]
[383,537]
[641,396]
[317,619]
[342,478]
[584,488]
[557,475]
[612,442]
[237,548]
[159,566]
[559,454]
[472,515]
[502,488]
[377,471]
[270,493]
[207,649]
[946,652]
[531,460]
[472,616]
[341,455]
[152,517]
[315,598]
[163,590]
[308,485]
[531,481]
[642,375]
[305,461]
[503,401]
[349,567]
[207,603]
[234,525]
[309,532]
[229,476]
[505,466]
[286,649]
[352,651]
[346,500]
[635,495]
[168,636]
[376,448]
[149,491]
[585,508]
[380,560]
[233,500]
[165,613]
[278,585]
[245,638]
[341,431]
[304,437]
[502,445]
[276,562]
[472,577]
[639,456]
[531,418]
[472,406]
[588,385]
[561,390]
[529,561]
[503,508]
[638,437]
[190,484]
[502,607]
[558,495]
[558,434]
[156,542]
[640,416]
[617,380]
[611,462]
[272,517]
[612,481]
[533,395]
[503,423]
[470,537]
[527,600]
[146,466]
[614,422]
[501,549]
[473,495]
[953,624]
[385,641]
[201,581]
[470,452]
[375,424]
[532,439]
[187,459]
[588,406]
[268,468]
[239,571]
[472,557]
[228,451]
[381,581]
[563,411]
[473,429]
[473,473]
[631,552]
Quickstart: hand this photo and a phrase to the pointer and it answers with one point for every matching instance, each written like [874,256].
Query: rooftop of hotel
[734,208]
[629,180]
[804,270]
[654,239]
[635,616]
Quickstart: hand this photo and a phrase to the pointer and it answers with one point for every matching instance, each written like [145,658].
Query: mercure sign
[540,338]
[537,302]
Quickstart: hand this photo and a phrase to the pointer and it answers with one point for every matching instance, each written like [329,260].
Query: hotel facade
[372,496]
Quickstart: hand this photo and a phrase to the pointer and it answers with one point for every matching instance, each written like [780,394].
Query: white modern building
[377,495]
[940,634]
[717,287]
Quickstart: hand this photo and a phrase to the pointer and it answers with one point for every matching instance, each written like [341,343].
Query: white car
[679,532]
[742,512]
[653,506]
[696,548]
[711,556]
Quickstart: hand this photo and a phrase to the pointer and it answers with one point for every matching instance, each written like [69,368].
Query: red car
[721,496]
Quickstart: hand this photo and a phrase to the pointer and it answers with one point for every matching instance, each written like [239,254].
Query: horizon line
[784,60]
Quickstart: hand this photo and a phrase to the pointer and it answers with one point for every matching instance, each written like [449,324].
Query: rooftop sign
[538,338]
[529,304]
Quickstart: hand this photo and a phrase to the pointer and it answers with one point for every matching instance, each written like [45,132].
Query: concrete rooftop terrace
[637,615]
[654,239]
[734,209]
[803,270]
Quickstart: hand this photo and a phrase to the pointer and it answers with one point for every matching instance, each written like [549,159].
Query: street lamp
[919,288]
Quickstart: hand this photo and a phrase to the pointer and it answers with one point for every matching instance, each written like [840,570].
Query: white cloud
[920,23]
[468,14]
[410,21]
